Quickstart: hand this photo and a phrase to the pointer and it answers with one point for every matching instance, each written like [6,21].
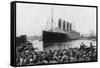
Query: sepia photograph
[55,34]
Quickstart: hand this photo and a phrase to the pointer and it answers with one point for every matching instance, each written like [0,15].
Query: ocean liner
[62,33]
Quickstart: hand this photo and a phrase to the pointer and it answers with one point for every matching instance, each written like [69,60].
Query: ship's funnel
[59,23]
[68,27]
[64,22]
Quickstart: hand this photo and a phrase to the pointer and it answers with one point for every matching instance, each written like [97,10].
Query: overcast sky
[32,18]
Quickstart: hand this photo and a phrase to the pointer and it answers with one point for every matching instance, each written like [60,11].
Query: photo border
[13,31]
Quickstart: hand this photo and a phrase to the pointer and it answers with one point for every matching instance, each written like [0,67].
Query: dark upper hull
[57,37]
[54,37]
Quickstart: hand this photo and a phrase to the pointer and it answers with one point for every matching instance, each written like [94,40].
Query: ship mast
[52,20]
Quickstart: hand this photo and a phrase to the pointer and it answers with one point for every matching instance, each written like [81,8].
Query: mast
[52,20]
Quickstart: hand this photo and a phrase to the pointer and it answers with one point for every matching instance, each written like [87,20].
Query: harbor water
[65,45]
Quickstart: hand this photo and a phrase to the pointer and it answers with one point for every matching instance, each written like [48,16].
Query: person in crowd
[82,46]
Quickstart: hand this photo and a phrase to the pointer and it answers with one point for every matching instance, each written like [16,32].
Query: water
[65,45]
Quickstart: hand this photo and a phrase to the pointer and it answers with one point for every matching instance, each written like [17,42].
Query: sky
[32,18]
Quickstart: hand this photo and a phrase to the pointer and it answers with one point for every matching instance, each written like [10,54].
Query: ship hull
[57,37]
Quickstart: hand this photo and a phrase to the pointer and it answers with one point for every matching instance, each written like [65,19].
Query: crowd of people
[28,55]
